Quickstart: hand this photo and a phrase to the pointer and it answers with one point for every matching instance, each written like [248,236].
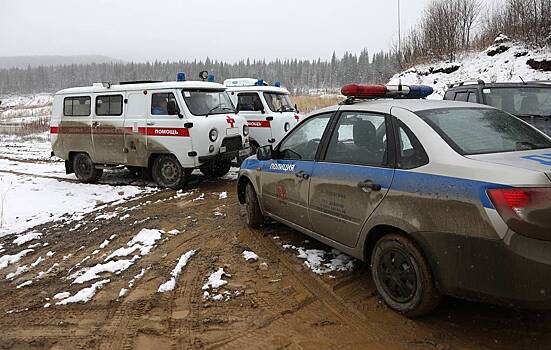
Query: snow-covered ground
[25,109]
[501,67]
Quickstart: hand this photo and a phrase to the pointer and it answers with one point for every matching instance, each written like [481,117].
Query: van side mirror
[172,107]
[296,108]
[264,153]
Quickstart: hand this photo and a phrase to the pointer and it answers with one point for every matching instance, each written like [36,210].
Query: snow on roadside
[85,294]
[94,272]
[133,281]
[182,262]
[31,236]
[7,260]
[211,289]
[144,241]
[322,262]
[248,255]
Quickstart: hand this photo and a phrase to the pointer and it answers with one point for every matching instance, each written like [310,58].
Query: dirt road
[275,302]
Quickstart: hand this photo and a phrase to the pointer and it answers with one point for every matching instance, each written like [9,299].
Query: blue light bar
[419,91]
[260,82]
[210,78]
[277,83]
[181,76]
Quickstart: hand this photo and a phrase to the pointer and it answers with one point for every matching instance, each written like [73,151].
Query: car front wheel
[253,214]
[403,277]
[167,172]
[85,169]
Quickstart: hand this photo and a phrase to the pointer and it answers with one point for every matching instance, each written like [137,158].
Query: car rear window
[481,130]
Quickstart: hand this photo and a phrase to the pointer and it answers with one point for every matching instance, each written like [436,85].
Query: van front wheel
[216,169]
[85,169]
[167,172]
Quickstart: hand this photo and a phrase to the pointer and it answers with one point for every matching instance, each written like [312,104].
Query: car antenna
[523,82]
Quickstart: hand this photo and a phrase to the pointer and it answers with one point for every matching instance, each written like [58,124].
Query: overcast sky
[229,30]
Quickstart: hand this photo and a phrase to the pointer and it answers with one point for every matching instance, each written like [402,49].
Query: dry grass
[309,103]
[35,126]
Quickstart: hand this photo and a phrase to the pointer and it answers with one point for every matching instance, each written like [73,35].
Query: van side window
[109,105]
[159,103]
[249,102]
[77,106]
[461,96]
[411,153]
[472,97]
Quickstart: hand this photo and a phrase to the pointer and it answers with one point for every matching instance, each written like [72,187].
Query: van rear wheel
[403,276]
[85,169]
[168,173]
[216,169]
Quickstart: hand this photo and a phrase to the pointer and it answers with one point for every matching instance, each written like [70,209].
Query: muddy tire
[403,277]
[85,169]
[168,173]
[253,217]
[216,169]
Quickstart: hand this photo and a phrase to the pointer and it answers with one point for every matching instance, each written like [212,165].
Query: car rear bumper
[516,273]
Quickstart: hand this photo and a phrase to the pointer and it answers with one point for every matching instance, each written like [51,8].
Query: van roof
[259,88]
[100,88]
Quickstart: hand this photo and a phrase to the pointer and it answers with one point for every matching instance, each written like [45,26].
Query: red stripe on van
[183,132]
[258,124]
[54,129]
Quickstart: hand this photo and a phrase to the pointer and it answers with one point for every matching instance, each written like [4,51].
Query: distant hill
[35,61]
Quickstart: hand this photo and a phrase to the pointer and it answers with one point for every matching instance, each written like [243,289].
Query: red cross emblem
[230,121]
[297,117]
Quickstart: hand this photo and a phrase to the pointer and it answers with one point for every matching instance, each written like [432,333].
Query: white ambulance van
[268,109]
[164,129]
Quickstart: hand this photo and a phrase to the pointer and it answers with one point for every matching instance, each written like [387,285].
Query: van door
[251,107]
[108,129]
[75,127]
[135,138]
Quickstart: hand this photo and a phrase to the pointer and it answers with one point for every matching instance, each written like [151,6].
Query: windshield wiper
[219,107]
[526,145]
[534,115]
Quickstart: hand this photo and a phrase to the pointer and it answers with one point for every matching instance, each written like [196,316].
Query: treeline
[300,76]
[450,27]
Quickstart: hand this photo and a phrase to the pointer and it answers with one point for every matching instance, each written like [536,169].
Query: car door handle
[96,124]
[150,123]
[369,185]
[302,175]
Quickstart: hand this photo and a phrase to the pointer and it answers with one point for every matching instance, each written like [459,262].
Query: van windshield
[279,102]
[482,130]
[520,101]
[207,102]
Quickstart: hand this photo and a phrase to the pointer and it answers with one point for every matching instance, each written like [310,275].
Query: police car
[167,129]
[268,109]
[440,197]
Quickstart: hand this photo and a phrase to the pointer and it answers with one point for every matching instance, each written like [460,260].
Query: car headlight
[213,135]
[287,127]
[245,130]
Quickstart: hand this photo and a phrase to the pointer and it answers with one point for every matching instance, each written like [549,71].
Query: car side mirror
[296,108]
[172,108]
[237,108]
[264,152]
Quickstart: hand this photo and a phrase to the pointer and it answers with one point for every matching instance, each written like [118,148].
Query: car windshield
[207,102]
[520,101]
[483,130]
[279,102]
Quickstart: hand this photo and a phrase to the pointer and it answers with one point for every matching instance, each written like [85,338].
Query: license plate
[223,149]
[232,131]
[244,152]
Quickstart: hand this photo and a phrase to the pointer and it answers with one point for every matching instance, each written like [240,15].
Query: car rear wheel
[216,169]
[85,169]
[167,172]
[403,277]
[254,215]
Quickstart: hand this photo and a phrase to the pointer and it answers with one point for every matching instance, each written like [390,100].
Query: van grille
[233,143]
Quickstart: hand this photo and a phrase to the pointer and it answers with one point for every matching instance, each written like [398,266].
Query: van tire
[412,294]
[216,169]
[85,169]
[168,173]
[253,214]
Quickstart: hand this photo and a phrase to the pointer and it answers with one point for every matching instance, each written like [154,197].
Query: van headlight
[245,130]
[286,127]
[213,135]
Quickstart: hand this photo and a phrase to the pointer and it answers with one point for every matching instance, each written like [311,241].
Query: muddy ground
[281,304]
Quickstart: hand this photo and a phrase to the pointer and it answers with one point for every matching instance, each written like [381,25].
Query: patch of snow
[182,262]
[84,295]
[50,254]
[322,262]
[24,284]
[37,261]
[62,295]
[223,195]
[47,305]
[20,240]
[248,255]
[215,280]
[144,241]
[20,270]
[7,260]
[174,232]
[92,273]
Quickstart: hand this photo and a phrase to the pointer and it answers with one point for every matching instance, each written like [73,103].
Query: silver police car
[440,197]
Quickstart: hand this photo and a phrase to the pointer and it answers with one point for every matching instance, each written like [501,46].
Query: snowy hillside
[503,61]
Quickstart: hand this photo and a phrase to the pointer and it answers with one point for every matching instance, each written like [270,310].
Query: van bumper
[225,155]
[515,274]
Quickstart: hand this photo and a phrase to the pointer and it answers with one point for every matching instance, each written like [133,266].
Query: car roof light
[210,78]
[181,76]
[364,90]
[277,83]
[419,91]
[260,82]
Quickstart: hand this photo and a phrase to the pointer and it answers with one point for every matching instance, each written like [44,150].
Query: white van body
[261,105]
[118,125]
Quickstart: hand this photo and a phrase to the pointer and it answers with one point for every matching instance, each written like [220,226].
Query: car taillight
[526,211]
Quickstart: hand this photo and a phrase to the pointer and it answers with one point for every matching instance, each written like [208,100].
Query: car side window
[411,153]
[249,102]
[159,103]
[109,105]
[303,142]
[461,96]
[359,138]
[79,106]
[472,97]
